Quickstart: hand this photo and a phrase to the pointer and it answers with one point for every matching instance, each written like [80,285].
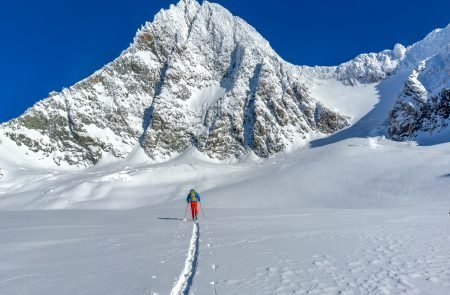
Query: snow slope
[196,76]
[353,213]
[362,215]
[358,216]
[422,110]
[350,213]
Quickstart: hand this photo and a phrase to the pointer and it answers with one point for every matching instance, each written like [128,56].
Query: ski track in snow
[184,282]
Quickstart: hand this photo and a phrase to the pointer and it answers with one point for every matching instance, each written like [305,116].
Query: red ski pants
[194,209]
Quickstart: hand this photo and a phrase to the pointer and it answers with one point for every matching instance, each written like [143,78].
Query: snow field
[353,213]
[343,218]
[358,172]
[377,251]
[91,252]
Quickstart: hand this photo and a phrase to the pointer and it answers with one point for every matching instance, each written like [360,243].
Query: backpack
[193,196]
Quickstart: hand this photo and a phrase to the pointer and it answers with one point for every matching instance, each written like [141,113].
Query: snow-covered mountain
[350,213]
[199,76]
[423,107]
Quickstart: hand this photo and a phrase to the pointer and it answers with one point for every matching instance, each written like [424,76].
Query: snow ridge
[186,277]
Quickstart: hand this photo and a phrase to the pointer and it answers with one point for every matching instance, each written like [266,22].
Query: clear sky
[50,44]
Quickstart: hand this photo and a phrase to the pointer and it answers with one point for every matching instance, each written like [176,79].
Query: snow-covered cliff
[423,107]
[195,76]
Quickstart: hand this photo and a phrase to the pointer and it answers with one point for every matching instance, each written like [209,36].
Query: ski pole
[201,208]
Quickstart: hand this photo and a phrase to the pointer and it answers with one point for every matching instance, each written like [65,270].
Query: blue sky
[50,44]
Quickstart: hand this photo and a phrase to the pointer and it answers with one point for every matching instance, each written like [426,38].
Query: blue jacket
[197,196]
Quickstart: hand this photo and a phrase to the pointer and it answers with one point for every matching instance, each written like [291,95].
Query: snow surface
[263,251]
[203,99]
[353,213]
[354,101]
[360,216]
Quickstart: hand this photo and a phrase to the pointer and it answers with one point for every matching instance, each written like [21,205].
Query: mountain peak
[196,76]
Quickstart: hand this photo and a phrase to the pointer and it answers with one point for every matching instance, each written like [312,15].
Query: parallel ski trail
[184,282]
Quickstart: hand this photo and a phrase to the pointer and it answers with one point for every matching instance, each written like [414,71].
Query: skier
[193,197]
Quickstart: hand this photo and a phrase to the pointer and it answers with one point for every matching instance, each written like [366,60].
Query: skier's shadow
[170,218]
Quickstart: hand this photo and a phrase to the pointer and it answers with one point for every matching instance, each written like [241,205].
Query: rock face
[225,91]
[424,104]
[196,76]
[99,114]
[370,68]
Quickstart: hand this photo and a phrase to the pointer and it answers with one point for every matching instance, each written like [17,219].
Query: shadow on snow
[388,91]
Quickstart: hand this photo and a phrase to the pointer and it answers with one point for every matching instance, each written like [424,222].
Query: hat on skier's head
[192,192]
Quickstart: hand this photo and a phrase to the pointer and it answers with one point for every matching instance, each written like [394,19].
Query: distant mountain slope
[423,107]
[197,76]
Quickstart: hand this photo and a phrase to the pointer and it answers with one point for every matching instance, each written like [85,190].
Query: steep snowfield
[355,100]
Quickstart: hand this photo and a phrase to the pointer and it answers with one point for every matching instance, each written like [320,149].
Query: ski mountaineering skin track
[184,282]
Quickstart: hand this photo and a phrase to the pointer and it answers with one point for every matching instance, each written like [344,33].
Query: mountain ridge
[195,76]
